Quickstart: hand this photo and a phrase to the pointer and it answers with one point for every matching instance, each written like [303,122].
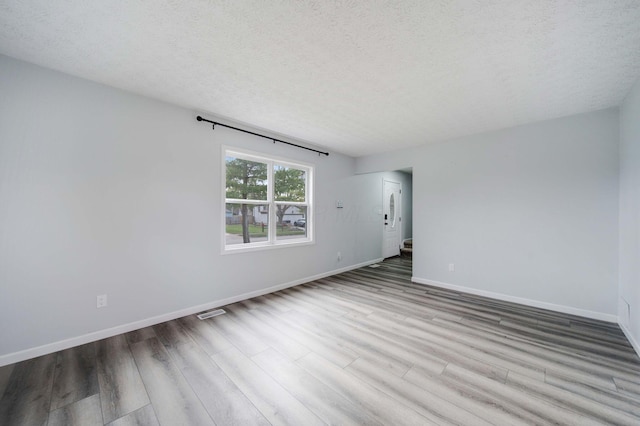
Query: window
[267,201]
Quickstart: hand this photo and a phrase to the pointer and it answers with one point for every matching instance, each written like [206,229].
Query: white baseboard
[521,300]
[630,338]
[125,328]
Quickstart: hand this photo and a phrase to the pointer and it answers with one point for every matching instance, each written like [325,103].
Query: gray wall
[529,212]
[630,214]
[103,191]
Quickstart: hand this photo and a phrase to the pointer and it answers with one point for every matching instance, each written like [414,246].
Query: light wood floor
[363,347]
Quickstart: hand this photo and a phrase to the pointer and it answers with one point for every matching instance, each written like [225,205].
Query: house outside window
[268,201]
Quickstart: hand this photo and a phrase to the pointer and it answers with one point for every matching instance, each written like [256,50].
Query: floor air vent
[211,314]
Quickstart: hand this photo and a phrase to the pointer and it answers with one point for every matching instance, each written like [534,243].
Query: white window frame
[272,242]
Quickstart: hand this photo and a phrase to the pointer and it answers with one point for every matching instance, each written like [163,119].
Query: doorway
[392,215]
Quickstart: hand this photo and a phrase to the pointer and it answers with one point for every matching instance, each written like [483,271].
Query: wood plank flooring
[363,347]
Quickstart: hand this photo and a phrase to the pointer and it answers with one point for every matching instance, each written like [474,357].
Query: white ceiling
[355,76]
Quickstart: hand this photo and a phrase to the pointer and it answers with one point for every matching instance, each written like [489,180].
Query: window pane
[292,222]
[246,223]
[246,180]
[290,183]
[392,209]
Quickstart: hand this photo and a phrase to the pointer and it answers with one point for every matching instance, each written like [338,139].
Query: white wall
[630,215]
[103,191]
[530,213]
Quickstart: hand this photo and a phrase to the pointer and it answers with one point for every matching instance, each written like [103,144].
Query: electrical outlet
[339,256]
[101,301]
[452,267]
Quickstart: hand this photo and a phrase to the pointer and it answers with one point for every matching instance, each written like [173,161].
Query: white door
[392,193]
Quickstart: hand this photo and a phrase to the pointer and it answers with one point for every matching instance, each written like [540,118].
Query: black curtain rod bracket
[214,123]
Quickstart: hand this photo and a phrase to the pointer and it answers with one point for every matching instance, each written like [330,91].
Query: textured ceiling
[357,77]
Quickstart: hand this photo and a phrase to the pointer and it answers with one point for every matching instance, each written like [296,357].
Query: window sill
[261,247]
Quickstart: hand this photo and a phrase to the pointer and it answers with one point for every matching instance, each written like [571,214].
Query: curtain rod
[262,136]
